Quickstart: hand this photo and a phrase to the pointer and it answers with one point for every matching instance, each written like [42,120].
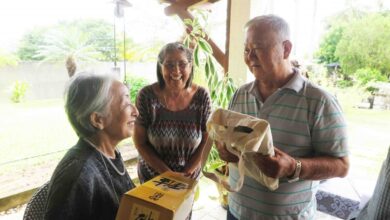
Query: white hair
[87,93]
[276,23]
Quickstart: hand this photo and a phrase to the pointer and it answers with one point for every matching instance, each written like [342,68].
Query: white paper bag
[244,136]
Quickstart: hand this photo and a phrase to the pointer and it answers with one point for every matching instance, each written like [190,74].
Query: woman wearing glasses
[170,132]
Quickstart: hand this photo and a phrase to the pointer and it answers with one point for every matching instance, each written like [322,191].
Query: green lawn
[37,128]
[33,128]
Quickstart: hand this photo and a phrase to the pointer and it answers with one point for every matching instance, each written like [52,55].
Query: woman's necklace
[121,173]
[105,165]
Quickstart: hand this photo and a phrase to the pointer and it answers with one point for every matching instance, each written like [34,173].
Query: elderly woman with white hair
[91,178]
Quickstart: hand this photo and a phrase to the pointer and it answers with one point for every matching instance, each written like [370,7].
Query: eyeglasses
[171,65]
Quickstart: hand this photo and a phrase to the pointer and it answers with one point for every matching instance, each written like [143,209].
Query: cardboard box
[165,197]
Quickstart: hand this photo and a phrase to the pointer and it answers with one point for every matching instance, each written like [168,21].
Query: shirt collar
[296,83]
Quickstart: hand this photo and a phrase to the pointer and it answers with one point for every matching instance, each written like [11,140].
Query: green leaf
[196,56]
[207,69]
[212,67]
[205,45]
[188,21]
[186,41]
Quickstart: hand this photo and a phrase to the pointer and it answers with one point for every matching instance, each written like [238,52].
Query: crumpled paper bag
[244,136]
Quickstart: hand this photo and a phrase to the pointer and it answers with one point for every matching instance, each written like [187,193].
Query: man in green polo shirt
[307,124]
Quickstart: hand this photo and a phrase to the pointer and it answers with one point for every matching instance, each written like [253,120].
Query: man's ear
[97,120]
[287,47]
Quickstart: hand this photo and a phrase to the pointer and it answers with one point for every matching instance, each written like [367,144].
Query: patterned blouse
[174,135]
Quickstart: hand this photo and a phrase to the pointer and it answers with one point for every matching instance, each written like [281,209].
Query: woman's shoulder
[201,92]
[73,163]
[149,90]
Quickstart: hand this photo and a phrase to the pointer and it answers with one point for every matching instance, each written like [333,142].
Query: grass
[36,128]
[33,132]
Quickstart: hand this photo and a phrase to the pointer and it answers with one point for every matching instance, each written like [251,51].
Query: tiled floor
[207,206]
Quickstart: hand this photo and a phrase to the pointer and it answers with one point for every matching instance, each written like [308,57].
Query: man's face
[263,52]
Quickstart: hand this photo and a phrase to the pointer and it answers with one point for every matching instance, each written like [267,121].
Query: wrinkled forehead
[260,34]
[118,90]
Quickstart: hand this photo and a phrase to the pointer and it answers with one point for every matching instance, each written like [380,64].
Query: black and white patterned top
[174,135]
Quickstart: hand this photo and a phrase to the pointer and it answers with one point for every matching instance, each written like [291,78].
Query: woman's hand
[192,170]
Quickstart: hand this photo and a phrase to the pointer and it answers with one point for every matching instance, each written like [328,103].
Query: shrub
[135,84]
[19,91]
[367,75]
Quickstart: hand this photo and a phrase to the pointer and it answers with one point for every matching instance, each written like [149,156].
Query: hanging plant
[220,85]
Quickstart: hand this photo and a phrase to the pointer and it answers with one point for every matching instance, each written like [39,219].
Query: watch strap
[297,172]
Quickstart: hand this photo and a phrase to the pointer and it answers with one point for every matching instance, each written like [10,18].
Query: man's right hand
[224,154]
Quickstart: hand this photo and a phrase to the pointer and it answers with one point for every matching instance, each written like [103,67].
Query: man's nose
[251,53]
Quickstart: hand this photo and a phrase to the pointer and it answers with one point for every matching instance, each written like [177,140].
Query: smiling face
[119,124]
[176,69]
[264,51]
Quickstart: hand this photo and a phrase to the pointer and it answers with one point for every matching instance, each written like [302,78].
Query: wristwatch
[297,172]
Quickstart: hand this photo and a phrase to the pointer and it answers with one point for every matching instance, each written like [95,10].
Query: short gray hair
[276,23]
[86,93]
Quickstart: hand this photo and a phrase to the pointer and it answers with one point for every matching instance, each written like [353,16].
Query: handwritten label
[139,212]
[156,196]
[166,183]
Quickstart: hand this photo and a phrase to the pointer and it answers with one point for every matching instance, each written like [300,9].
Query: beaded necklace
[105,165]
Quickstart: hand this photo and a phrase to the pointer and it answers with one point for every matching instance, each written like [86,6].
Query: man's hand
[224,154]
[280,165]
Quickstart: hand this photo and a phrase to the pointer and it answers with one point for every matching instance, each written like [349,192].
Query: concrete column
[240,12]
[239,15]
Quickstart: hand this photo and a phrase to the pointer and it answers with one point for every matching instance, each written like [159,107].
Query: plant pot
[222,195]
[222,172]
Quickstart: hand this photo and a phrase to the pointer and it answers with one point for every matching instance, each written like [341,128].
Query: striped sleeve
[328,130]
[206,108]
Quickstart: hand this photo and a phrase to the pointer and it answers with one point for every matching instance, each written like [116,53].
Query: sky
[17,17]
[146,21]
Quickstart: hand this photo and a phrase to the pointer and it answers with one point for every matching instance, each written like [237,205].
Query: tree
[98,34]
[358,40]
[326,52]
[101,35]
[68,45]
[365,44]
[335,28]
[29,45]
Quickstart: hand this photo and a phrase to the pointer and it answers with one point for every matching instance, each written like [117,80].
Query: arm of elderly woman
[149,155]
